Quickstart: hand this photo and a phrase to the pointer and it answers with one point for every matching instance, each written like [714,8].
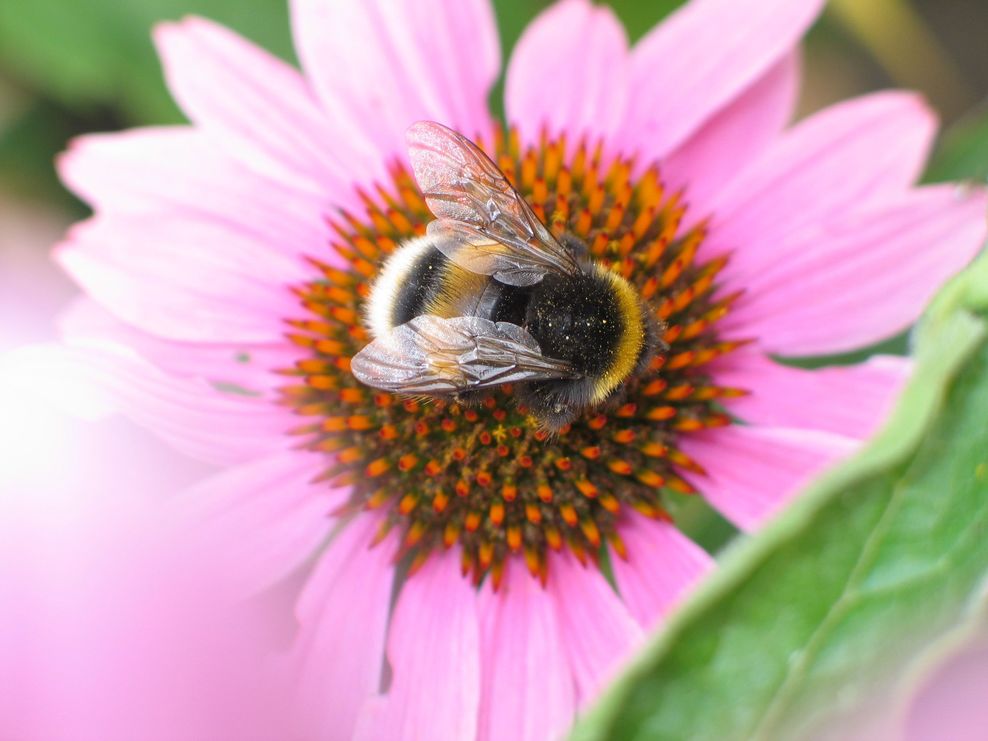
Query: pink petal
[385,65]
[264,518]
[713,156]
[695,63]
[661,567]
[852,401]
[178,172]
[184,280]
[260,110]
[596,628]
[843,159]
[527,688]
[569,73]
[862,278]
[434,651]
[193,416]
[753,472]
[251,367]
[343,618]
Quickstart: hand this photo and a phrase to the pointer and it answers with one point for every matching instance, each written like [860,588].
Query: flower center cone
[488,476]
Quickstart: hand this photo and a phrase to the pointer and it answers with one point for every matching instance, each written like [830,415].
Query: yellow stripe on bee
[457,293]
[629,344]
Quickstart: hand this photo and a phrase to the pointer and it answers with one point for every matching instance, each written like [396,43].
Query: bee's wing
[473,249]
[429,355]
[491,230]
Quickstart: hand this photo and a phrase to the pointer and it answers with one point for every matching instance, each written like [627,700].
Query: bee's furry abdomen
[419,279]
[420,287]
[392,281]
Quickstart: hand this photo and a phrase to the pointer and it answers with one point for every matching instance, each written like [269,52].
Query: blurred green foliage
[963,151]
[98,53]
[91,66]
[84,66]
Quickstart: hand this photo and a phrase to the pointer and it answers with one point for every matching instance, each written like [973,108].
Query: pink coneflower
[451,554]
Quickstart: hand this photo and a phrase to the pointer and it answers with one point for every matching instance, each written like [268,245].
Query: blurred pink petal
[343,613]
[581,53]
[661,566]
[710,159]
[245,365]
[527,691]
[108,629]
[753,472]
[848,400]
[434,652]
[384,65]
[222,427]
[855,154]
[850,266]
[31,289]
[950,703]
[700,59]
[178,171]
[595,627]
[263,519]
[194,281]
[257,107]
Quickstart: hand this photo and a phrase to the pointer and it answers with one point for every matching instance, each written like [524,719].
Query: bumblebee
[490,297]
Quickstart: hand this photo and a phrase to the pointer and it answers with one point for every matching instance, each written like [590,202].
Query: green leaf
[698,521]
[99,52]
[897,345]
[879,557]
[939,672]
[639,18]
[963,151]
[29,142]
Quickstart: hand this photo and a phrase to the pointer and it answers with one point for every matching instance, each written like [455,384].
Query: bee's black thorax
[511,304]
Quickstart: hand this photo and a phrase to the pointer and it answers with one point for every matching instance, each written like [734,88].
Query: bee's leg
[654,343]
[471,398]
[553,403]
[615,400]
